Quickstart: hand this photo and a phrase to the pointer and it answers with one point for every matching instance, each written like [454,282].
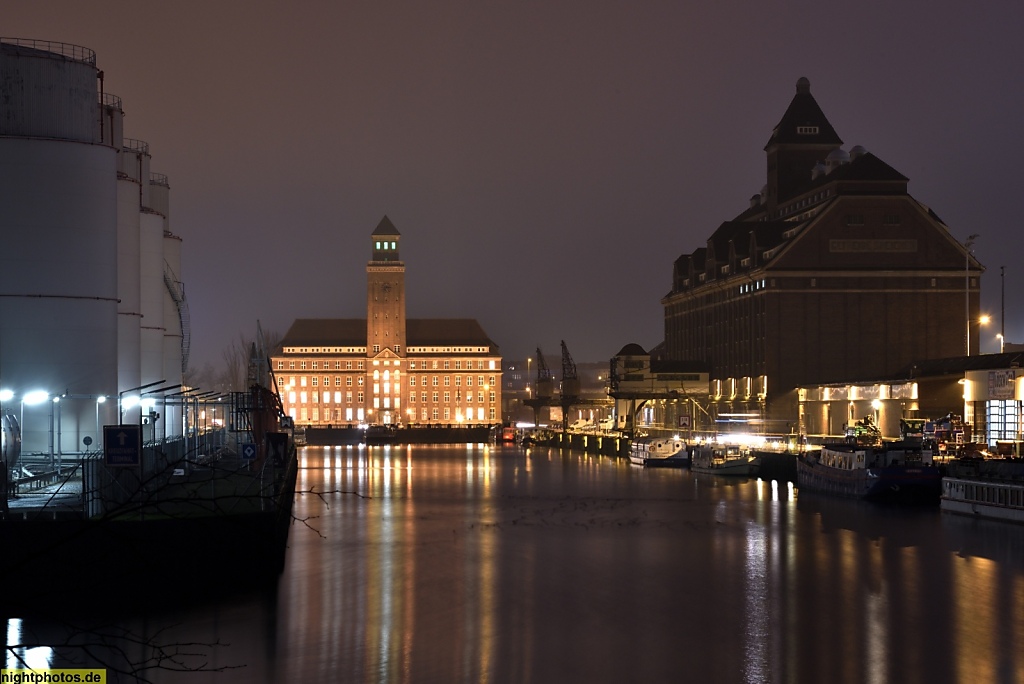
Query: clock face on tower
[386,287]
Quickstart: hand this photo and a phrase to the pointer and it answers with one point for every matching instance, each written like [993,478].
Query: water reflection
[495,564]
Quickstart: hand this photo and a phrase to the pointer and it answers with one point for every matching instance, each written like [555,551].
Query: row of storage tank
[91,301]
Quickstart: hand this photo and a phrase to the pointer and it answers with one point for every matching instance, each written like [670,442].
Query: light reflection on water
[494,564]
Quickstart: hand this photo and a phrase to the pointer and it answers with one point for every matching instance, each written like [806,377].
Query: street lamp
[1000,337]
[967,286]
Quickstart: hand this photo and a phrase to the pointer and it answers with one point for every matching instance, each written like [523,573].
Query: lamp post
[967,286]
[1000,336]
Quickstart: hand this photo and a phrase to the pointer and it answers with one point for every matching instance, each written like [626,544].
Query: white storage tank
[58,276]
[133,161]
[175,313]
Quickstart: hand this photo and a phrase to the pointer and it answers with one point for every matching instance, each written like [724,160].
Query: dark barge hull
[917,483]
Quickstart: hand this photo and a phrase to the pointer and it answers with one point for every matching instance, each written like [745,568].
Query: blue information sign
[122,445]
[249,451]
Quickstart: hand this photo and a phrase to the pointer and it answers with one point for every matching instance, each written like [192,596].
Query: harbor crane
[570,388]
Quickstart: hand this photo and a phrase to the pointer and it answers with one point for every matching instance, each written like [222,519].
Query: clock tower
[385,293]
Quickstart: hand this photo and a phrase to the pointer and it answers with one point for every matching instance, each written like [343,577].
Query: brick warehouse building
[387,369]
[833,273]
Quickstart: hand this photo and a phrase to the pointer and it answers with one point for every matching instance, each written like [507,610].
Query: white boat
[984,498]
[658,451]
[724,459]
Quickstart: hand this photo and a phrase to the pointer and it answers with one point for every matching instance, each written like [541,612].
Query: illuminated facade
[387,369]
[834,272]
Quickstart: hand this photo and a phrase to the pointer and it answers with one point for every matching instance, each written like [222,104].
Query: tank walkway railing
[66,50]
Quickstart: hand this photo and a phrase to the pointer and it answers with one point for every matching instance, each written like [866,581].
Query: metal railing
[76,53]
[111,100]
[159,179]
[133,145]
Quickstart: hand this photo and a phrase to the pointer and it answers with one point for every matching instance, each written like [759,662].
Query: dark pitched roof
[632,349]
[446,331]
[866,167]
[385,227]
[326,332]
[803,111]
[420,332]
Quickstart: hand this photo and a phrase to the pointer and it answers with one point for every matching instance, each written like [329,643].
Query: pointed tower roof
[385,227]
[804,123]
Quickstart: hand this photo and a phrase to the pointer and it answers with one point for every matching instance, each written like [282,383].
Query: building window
[807,130]
[855,219]
[434,397]
[447,413]
[447,381]
[412,381]
[302,397]
[361,365]
[348,365]
[447,397]
[315,381]
[398,349]
[447,364]
[348,397]
[359,397]
[280,365]
[337,365]
[359,380]
[491,395]
[412,365]
[490,413]
[302,381]
[315,365]
[291,365]
[376,348]
[423,397]
[469,381]
[458,364]
[434,381]
[424,415]
[412,397]
[433,414]
[302,365]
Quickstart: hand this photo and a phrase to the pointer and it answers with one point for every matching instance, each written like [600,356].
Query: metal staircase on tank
[177,291]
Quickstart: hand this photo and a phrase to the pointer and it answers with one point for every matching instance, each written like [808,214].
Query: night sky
[545,162]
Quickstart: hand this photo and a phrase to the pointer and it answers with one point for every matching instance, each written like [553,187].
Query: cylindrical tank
[173,304]
[131,161]
[58,266]
[49,91]
[151,253]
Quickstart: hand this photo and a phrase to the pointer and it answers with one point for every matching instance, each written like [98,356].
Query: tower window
[807,130]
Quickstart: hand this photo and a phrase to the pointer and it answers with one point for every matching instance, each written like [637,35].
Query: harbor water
[501,564]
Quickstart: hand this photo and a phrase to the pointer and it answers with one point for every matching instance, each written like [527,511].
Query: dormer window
[807,130]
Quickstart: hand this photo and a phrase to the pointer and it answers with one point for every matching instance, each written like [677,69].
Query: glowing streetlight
[1001,339]
[967,285]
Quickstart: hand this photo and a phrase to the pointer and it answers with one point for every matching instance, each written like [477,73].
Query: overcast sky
[545,162]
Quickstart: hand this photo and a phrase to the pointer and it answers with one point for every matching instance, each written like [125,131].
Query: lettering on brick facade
[864,245]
